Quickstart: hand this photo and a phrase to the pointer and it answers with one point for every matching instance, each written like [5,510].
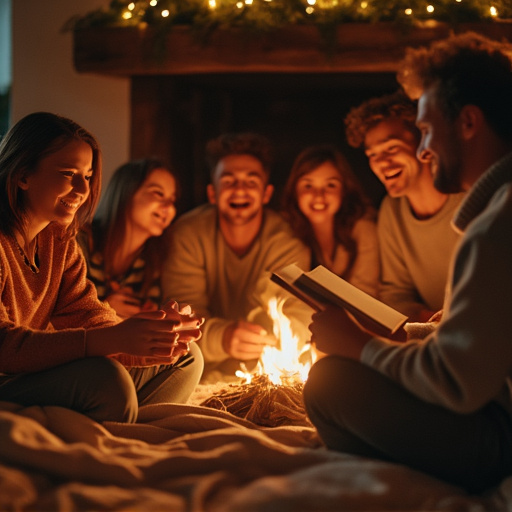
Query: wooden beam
[356,47]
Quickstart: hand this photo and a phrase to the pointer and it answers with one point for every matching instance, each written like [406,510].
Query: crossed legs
[359,411]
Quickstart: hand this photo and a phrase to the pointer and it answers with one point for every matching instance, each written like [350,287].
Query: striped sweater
[132,280]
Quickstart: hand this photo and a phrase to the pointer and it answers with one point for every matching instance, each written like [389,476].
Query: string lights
[265,15]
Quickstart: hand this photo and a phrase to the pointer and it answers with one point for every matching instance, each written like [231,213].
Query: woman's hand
[161,336]
[149,333]
[125,304]
[187,328]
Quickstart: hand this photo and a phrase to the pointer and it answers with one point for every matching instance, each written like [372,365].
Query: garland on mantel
[205,16]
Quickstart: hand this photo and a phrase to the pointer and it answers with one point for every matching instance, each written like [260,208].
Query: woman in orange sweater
[58,342]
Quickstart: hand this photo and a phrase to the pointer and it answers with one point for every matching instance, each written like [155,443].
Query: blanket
[192,458]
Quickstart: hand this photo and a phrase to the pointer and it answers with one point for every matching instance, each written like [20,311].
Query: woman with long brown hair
[329,212]
[59,345]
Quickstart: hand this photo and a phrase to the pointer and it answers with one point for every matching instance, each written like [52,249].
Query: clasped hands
[161,336]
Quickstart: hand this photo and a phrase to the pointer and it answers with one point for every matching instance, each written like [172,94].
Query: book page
[341,292]
[287,278]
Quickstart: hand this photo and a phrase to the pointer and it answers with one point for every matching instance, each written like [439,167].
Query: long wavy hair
[108,227]
[354,203]
[31,139]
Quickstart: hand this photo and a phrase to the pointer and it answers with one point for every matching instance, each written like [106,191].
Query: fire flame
[282,364]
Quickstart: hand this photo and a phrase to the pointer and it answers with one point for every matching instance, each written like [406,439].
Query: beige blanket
[190,458]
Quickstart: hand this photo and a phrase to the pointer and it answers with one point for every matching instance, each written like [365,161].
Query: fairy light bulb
[135,10]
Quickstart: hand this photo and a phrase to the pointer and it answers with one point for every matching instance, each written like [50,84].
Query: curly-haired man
[222,253]
[414,226]
[443,404]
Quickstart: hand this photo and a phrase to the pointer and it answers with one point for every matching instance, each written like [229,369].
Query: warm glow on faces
[391,151]
[441,140]
[153,205]
[319,193]
[239,189]
[58,186]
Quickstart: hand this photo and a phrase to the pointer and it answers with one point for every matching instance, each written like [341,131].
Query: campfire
[271,395]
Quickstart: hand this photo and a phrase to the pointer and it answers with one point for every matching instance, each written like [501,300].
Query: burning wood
[272,396]
[263,402]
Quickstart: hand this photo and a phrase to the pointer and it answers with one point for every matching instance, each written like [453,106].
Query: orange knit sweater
[43,316]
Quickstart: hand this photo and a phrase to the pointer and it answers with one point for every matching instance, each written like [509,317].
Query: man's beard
[448,181]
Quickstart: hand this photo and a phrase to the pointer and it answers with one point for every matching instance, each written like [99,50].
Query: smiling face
[239,189]
[441,140]
[319,193]
[153,205]
[58,186]
[391,151]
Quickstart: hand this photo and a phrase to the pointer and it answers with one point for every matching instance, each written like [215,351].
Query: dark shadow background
[174,116]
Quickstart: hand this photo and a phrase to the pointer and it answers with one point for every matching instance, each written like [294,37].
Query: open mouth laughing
[392,174]
[238,205]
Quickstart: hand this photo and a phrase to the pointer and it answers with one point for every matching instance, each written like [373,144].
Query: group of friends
[108,305]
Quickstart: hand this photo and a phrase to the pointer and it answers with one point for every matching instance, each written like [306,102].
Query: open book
[320,286]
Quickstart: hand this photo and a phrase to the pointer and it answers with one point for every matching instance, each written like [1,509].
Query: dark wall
[4,112]
[174,116]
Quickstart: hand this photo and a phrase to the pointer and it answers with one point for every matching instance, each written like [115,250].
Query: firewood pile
[263,402]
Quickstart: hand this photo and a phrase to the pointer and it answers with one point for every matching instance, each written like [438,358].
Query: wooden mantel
[360,47]
[287,85]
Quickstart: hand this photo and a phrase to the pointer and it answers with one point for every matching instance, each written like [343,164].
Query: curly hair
[370,113]
[248,143]
[466,69]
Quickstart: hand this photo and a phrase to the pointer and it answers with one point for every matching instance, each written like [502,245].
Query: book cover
[320,286]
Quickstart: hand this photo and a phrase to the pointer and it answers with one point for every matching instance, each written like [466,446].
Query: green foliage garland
[266,15]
